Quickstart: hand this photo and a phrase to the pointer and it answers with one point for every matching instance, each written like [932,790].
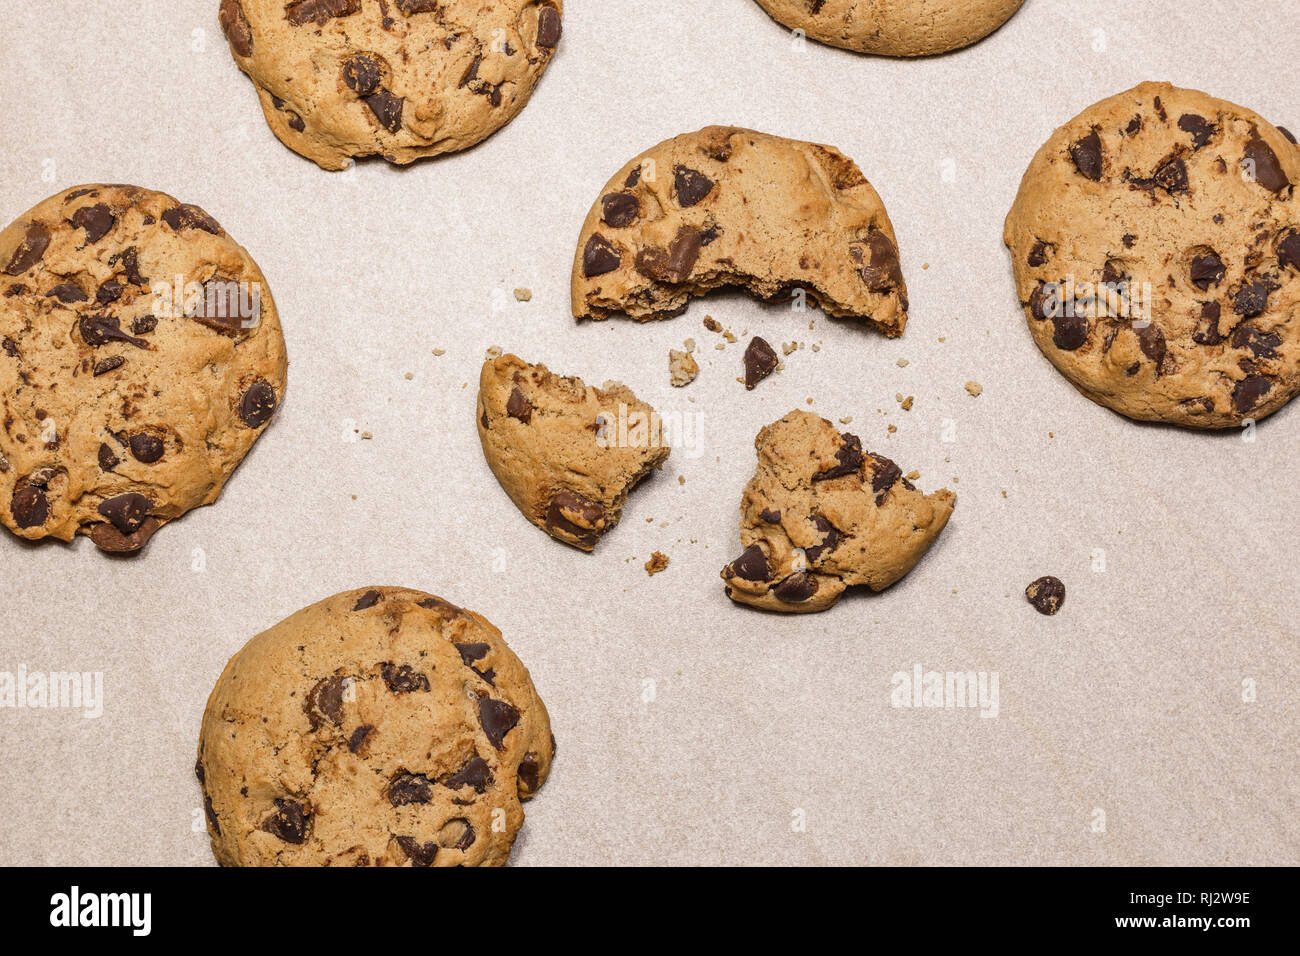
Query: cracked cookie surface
[732,207]
[894,27]
[567,453]
[1156,247]
[140,359]
[401,79]
[379,727]
[821,515]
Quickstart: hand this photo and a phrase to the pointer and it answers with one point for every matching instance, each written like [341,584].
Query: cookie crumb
[907,403]
[892,429]
[408,376]
[439,351]
[912,475]
[974,388]
[493,352]
[712,324]
[1047,594]
[682,368]
[902,363]
[729,336]
[366,436]
[523,295]
[689,345]
[1004,492]
[658,561]
[681,480]
[846,419]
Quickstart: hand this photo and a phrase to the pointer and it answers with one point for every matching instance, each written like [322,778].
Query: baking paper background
[690,730]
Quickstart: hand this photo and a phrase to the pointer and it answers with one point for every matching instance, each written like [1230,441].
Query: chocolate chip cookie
[401,79]
[1156,247]
[140,358]
[379,727]
[567,454]
[821,515]
[732,207]
[894,27]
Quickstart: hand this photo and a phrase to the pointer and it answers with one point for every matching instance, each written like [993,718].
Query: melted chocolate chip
[676,264]
[1207,329]
[30,251]
[405,679]
[110,540]
[367,600]
[186,216]
[760,361]
[102,329]
[1200,128]
[1207,270]
[289,822]
[849,456]
[497,718]
[881,271]
[469,653]
[1249,391]
[325,702]
[319,12]
[107,460]
[1047,594]
[1261,345]
[885,475]
[1039,255]
[599,257]
[109,292]
[570,515]
[1069,332]
[408,788]
[476,774]
[360,738]
[420,854]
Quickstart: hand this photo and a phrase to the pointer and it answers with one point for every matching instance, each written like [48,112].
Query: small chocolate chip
[760,361]
[529,772]
[497,718]
[1047,594]
[107,460]
[1288,251]
[109,292]
[770,515]
[107,365]
[1039,255]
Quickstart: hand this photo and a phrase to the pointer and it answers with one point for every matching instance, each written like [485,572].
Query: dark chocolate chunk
[1152,342]
[289,822]
[849,456]
[691,185]
[257,404]
[1200,128]
[1252,298]
[387,109]
[548,27]
[1207,270]
[1261,345]
[30,507]
[1047,594]
[360,738]
[517,406]
[325,702]
[476,774]
[30,250]
[885,475]
[751,565]
[1039,255]
[319,12]
[405,679]
[1069,332]
[574,516]
[420,854]
[599,256]
[760,361]
[620,209]
[881,271]
[1207,328]
[102,329]
[1266,167]
[67,292]
[1172,175]
[497,718]
[109,539]
[186,216]
[235,26]
[367,600]
[107,460]
[109,292]
[1288,251]
[1086,154]
[529,773]
[96,220]
[104,366]
[676,264]
[1249,391]
[408,788]
[797,588]
[126,512]
[362,73]
[469,653]
[146,448]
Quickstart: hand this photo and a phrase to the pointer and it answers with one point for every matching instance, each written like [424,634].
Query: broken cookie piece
[821,515]
[567,453]
[732,207]
[682,368]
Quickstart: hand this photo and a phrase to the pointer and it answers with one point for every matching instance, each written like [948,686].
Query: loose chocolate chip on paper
[1047,594]
[257,405]
[599,257]
[620,209]
[96,220]
[1086,154]
[497,718]
[146,448]
[29,507]
[30,251]
[289,822]
[760,361]
[691,185]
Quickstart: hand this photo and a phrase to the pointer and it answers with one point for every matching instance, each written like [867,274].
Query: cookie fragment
[735,207]
[821,515]
[566,453]
[682,368]
[342,738]
[1047,594]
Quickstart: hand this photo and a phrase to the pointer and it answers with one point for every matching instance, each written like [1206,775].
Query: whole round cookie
[140,358]
[402,79]
[1156,247]
[379,727]
[894,27]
